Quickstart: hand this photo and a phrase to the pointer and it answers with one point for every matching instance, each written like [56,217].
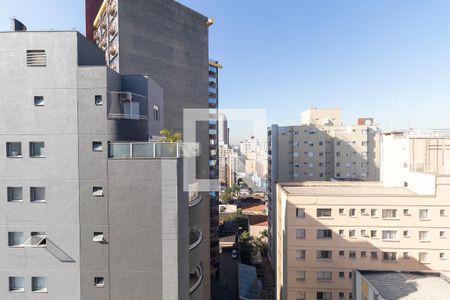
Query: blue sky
[286,56]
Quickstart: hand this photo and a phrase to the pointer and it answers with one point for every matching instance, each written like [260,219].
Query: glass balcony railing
[152,150]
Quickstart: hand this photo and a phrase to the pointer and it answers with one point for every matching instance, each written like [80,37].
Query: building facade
[91,209]
[322,148]
[169,41]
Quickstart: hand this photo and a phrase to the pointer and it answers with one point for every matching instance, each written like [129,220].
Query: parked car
[234,254]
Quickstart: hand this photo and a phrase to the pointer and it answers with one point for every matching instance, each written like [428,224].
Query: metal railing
[195,200]
[151,150]
[196,278]
[195,238]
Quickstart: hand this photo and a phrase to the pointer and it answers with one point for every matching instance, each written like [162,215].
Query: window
[350,275]
[423,214]
[363,254]
[300,233]
[99,281]
[390,256]
[442,234]
[342,275]
[389,213]
[374,255]
[352,212]
[406,212]
[39,101]
[301,275]
[14,149]
[364,233]
[350,296]
[37,194]
[352,233]
[341,211]
[300,212]
[301,254]
[390,235]
[15,239]
[442,255]
[301,295]
[98,237]
[97,146]
[442,213]
[424,236]
[36,58]
[97,191]
[364,212]
[423,257]
[405,255]
[341,296]
[37,149]
[17,284]
[39,284]
[324,275]
[324,234]
[156,112]
[341,253]
[324,296]
[405,233]
[324,254]
[14,194]
[373,234]
[98,100]
[324,212]
[341,232]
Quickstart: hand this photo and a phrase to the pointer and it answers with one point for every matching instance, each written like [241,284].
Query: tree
[171,137]
[246,247]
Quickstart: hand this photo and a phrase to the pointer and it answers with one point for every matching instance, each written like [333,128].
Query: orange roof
[253,208]
[258,220]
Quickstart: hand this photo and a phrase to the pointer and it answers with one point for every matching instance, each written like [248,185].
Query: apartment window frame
[300,233]
[341,275]
[424,214]
[424,236]
[324,213]
[97,146]
[390,256]
[300,275]
[97,191]
[352,212]
[37,149]
[300,212]
[443,234]
[16,239]
[38,194]
[374,212]
[324,255]
[39,101]
[98,100]
[300,254]
[374,255]
[424,257]
[324,295]
[374,234]
[156,113]
[324,276]
[11,152]
[324,234]
[99,281]
[406,234]
[16,284]
[39,284]
[389,214]
[443,212]
[442,256]
[389,235]
[12,195]
[352,233]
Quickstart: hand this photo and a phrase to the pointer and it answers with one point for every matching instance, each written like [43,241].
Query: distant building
[224,131]
[322,148]
[384,285]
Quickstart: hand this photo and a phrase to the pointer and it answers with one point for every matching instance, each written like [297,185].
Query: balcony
[195,278]
[152,150]
[195,238]
[127,106]
[194,200]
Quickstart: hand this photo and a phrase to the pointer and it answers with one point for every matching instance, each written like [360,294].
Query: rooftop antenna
[16,25]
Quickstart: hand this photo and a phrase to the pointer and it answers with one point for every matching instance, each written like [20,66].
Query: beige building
[322,148]
[326,230]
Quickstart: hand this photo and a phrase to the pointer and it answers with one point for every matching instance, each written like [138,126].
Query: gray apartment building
[169,42]
[90,208]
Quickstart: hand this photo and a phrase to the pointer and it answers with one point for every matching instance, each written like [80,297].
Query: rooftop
[258,220]
[353,188]
[408,286]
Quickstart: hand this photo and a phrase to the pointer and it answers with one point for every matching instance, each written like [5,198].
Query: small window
[341,296]
[341,232]
[442,234]
[389,256]
[98,100]
[424,258]
[15,194]
[405,233]
[364,212]
[406,212]
[352,254]
[156,113]
[324,212]
[389,213]
[424,236]
[423,214]
[17,284]
[341,211]
[352,212]
[15,239]
[363,254]
[374,255]
[442,213]
[341,253]
[14,149]
[405,255]
[342,275]
[350,275]
[324,296]
[324,254]
[97,191]
[97,146]
[37,194]
[39,101]
[301,275]
[442,255]
[39,284]
[37,149]
[301,295]
[98,237]
[352,233]
[324,276]
[300,213]
[301,254]
[373,234]
[300,233]
[324,234]
[99,281]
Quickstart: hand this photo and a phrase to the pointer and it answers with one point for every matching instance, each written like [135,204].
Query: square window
[341,253]
[97,191]
[301,254]
[424,236]
[301,275]
[300,233]
[98,237]
[17,284]
[341,296]
[37,149]
[99,281]
[37,194]
[423,257]
[14,149]
[15,194]
[442,234]
[363,254]
[98,100]
[442,255]
[406,212]
[341,232]
[39,101]
[352,233]
[405,233]
[352,254]
[300,212]
[342,275]
[341,211]
[39,284]
[374,255]
[442,213]
[423,214]
[97,146]
[405,255]
[15,239]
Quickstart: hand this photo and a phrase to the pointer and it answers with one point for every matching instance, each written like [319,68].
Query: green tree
[169,136]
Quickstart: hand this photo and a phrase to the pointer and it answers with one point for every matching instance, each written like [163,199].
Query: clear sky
[286,56]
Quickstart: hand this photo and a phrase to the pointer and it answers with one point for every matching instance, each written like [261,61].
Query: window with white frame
[37,194]
[406,233]
[424,257]
[423,214]
[37,149]
[389,213]
[406,212]
[324,234]
[16,284]
[389,235]
[324,212]
[341,211]
[14,149]
[324,276]
[405,255]
[14,194]
[424,236]
[300,212]
[15,239]
[39,284]
[300,233]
